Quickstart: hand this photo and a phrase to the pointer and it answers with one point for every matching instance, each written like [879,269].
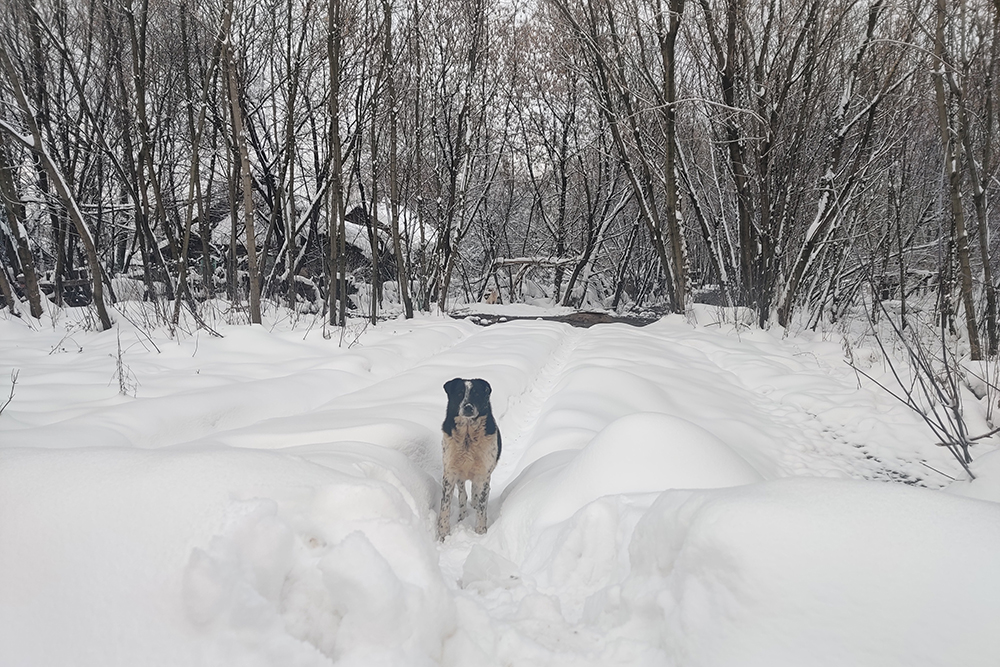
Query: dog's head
[468,398]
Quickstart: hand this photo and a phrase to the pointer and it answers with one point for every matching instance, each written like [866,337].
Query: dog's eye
[481,388]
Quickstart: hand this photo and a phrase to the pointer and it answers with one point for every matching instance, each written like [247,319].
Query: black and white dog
[471,446]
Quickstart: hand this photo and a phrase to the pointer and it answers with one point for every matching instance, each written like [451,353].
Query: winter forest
[769,438]
[796,157]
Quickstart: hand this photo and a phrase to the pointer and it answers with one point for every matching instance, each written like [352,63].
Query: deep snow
[687,493]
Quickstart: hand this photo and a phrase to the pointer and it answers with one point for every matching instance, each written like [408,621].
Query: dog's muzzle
[468,410]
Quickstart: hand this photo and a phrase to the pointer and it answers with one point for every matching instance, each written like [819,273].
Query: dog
[471,447]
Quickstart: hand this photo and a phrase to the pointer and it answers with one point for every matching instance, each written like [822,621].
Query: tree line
[794,157]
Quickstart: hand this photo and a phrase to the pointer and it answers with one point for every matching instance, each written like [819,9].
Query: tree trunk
[137,35]
[954,185]
[667,34]
[402,276]
[338,230]
[15,220]
[977,186]
[239,138]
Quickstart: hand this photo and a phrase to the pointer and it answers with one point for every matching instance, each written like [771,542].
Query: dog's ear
[454,386]
[484,385]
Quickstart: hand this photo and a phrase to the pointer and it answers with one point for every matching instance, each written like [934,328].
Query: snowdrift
[672,495]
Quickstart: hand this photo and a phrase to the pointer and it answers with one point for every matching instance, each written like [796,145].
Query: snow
[691,492]
[985,486]
[862,573]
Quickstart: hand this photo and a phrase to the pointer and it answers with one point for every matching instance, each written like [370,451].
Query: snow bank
[269,498]
[790,572]
[646,452]
[810,572]
[215,557]
[638,453]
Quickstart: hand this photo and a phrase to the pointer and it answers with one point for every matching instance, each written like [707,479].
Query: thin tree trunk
[239,137]
[288,173]
[8,293]
[15,220]
[131,172]
[194,177]
[976,181]
[623,265]
[667,34]
[196,128]
[726,62]
[137,35]
[954,185]
[338,228]
[402,276]
[458,168]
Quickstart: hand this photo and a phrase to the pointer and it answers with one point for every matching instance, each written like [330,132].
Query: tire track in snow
[524,411]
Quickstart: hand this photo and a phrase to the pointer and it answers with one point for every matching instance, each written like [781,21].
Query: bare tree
[393,110]
[953,178]
[240,142]
[335,209]
[632,153]
[33,141]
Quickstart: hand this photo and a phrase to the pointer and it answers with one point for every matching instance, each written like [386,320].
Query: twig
[949,428]
[923,463]
[13,383]
[127,382]
[201,322]
[985,435]
[138,328]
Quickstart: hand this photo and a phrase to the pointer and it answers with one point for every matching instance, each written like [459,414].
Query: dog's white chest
[469,453]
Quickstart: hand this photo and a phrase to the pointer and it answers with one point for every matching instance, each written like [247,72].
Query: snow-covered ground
[687,493]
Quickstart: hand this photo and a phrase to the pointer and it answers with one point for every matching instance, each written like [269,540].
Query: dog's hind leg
[463,507]
[444,516]
[480,497]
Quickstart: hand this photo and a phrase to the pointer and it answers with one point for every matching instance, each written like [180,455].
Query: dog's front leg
[444,516]
[463,499]
[480,497]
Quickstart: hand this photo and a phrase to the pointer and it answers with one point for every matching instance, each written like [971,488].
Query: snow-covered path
[269,498]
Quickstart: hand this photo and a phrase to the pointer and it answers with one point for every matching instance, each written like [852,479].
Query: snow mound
[646,452]
[640,453]
[219,556]
[810,572]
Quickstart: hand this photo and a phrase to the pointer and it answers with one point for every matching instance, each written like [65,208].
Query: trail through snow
[269,498]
